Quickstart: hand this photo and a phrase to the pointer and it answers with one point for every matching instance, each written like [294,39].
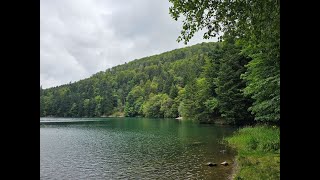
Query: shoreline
[258,153]
[235,169]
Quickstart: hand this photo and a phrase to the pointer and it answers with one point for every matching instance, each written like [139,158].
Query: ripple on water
[136,149]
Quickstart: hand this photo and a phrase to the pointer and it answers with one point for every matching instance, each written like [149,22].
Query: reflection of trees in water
[136,147]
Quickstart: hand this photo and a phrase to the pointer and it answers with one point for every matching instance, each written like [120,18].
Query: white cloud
[81,37]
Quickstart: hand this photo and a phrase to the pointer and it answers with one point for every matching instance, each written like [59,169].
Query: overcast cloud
[81,37]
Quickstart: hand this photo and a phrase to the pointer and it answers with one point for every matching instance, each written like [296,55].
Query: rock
[223,151]
[196,143]
[211,164]
[224,163]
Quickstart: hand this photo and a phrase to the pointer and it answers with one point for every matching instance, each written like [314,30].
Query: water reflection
[131,148]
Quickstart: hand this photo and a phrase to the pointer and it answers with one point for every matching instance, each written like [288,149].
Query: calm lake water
[132,148]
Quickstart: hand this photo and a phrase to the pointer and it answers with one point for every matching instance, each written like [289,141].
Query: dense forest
[201,82]
[236,79]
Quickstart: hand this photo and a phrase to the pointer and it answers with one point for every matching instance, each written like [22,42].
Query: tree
[98,110]
[41,103]
[184,84]
[173,91]
[188,107]
[86,107]
[134,102]
[255,24]
[157,106]
[232,103]
[197,100]
[251,20]
[74,110]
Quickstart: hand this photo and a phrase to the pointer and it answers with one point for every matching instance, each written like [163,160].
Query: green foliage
[124,89]
[233,105]
[258,152]
[173,91]
[201,82]
[249,20]
[253,24]
[134,102]
[197,101]
[263,85]
[211,104]
[259,138]
[73,110]
[157,106]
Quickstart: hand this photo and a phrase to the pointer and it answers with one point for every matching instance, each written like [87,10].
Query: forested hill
[201,82]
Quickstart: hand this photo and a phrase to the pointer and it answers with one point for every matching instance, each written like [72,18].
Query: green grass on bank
[258,152]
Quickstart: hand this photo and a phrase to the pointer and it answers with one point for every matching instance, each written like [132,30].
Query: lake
[132,148]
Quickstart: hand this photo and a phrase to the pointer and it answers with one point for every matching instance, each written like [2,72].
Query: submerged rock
[211,164]
[224,163]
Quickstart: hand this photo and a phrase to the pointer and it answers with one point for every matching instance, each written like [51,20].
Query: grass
[258,152]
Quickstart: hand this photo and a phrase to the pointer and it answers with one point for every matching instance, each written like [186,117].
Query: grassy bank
[258,152]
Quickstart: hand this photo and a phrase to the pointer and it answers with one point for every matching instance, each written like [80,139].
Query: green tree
[156,106]
[173,91]
[98,109]
[188,107]
[42,103]
[179,82]
[134,102]
[86,107]
[197,100]
[232,103]
[73,110]
[253,24]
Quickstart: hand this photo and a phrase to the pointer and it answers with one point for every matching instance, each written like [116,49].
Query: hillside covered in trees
[201,82]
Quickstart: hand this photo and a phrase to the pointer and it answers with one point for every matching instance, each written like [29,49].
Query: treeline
[201,82]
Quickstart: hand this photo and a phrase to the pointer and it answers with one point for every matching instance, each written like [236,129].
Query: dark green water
[132,148]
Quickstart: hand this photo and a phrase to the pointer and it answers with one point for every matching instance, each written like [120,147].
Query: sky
[79,38]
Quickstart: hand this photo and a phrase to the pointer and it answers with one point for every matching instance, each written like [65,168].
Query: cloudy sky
[81,37]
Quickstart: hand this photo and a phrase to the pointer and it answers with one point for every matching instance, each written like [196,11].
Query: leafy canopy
[252,24]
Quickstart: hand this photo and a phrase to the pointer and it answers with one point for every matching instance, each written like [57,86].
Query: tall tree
[134,102]
[232,103]
[253,23]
